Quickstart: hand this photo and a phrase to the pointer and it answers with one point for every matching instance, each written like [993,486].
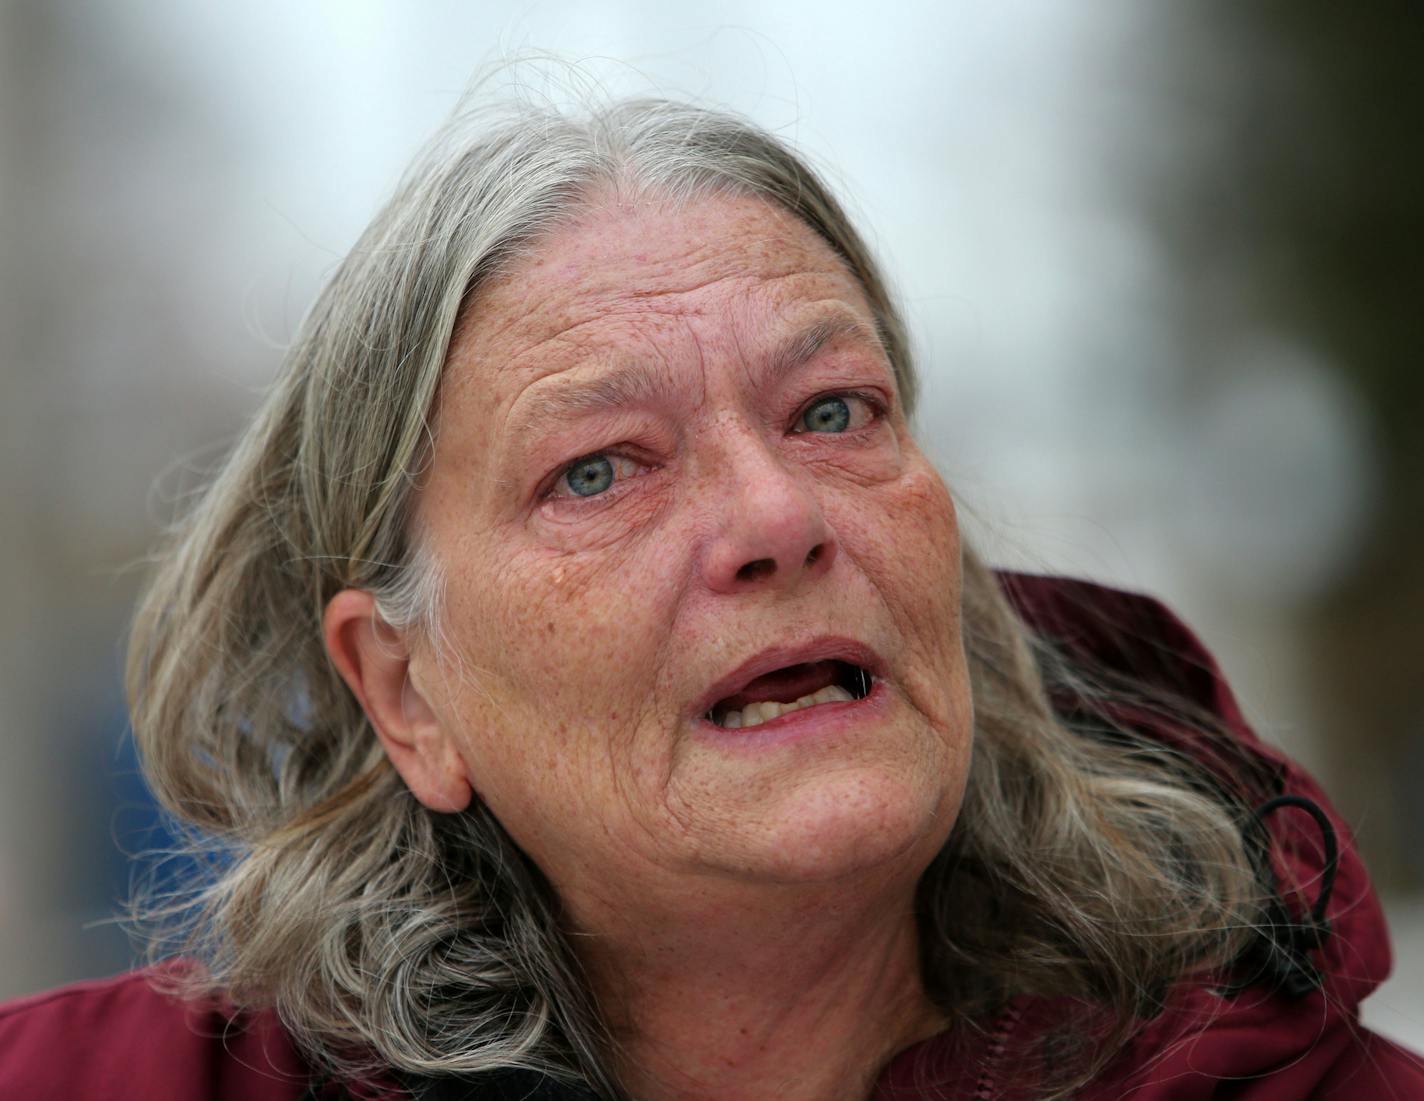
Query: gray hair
[389,935]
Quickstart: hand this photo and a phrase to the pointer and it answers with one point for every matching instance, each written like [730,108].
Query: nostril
[752,571]
[815,555]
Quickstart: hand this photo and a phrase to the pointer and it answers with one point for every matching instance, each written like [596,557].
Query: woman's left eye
[836,413]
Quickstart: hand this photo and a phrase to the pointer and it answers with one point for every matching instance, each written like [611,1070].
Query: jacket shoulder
[1258,1043]
[126,1038]
[1264,1049]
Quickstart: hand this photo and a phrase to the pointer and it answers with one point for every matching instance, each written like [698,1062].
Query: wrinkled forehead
[632,315]
[620,270]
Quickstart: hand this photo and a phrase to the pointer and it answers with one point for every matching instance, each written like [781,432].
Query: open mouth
[788,689]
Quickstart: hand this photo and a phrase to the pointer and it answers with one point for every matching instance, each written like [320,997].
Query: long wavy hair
[390,936]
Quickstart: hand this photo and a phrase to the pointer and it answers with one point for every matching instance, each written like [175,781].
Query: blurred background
[1163,263]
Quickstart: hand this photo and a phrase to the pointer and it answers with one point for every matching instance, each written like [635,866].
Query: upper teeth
[754,714]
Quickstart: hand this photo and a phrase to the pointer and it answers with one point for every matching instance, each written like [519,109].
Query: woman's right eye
[592,475]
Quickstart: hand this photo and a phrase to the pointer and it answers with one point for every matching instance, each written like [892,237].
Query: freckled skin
[583,637]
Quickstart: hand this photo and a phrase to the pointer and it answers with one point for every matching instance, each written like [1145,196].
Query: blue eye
[828,414]
[589,476]
[594,475]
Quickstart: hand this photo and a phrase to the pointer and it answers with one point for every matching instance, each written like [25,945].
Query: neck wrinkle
[813,1012]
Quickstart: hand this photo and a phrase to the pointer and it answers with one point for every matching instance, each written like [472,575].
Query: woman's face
[672,480]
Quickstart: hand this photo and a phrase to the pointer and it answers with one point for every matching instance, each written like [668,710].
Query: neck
[793,996]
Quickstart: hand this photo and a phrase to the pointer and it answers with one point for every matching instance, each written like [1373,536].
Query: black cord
[1279,955]
[1318,921]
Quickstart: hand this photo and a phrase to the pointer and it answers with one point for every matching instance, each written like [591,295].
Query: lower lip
[816,721]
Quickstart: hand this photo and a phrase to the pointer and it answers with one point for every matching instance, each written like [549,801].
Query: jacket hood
[1264,1039]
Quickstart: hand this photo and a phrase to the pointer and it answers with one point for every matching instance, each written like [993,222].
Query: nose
[769,528]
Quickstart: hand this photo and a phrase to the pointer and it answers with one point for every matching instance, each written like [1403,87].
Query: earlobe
[374,659]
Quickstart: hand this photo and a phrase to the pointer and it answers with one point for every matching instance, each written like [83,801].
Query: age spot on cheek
[564,582]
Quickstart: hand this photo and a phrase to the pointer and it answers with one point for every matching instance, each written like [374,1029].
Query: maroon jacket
[118,1040]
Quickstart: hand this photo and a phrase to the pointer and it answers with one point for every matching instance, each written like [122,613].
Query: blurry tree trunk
[1307,183]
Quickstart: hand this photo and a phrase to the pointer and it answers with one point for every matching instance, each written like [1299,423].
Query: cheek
[559,647]
[538,724]
[905,536]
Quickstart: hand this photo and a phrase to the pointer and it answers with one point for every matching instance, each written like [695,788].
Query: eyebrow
[633,385]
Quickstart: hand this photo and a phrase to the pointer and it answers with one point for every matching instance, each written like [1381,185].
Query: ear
[374,659]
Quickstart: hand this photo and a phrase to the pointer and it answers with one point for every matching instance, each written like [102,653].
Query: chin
[857,822]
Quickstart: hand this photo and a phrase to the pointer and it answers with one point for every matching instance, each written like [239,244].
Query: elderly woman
[579,674]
